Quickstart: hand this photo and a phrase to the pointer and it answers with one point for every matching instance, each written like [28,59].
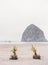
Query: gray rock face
[33,34]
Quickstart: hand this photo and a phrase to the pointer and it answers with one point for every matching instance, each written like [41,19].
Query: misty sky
[16,15]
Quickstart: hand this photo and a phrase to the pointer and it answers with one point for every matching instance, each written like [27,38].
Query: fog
[16,15]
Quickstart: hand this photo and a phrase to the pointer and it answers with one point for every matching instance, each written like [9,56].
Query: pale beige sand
[24,53]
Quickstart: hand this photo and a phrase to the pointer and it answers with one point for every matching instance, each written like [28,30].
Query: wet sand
[24,53]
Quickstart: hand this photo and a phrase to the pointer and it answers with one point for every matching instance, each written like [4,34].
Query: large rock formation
[33,34]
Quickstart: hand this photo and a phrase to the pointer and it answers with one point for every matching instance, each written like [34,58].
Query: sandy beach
[24,54]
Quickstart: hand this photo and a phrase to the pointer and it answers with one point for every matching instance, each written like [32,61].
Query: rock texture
[33,34]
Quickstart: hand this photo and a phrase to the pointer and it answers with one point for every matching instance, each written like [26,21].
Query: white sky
[16,15]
